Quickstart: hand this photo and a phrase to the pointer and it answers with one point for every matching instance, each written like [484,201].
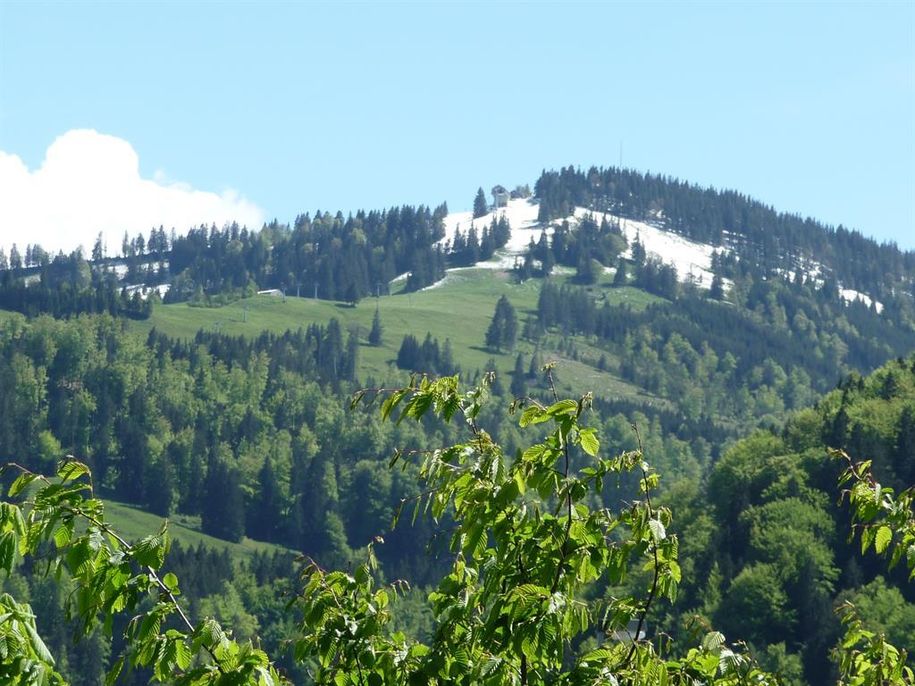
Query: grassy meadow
[458,308]
[134,524]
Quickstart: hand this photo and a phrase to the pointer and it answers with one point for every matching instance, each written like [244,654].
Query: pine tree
[161,492]
[352,294]
[638,251]
[447,366]
[716,291]
[376,332]
[480,206]
[98,251]
[503,329]
[620,279]
[223,512]
[519,383]
[548,261]
[587,270]
[265,513]
[351,361]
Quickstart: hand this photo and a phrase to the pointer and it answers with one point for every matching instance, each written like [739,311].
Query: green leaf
[532,415]
[589,442]
[7,550]
[70,470]
[115,671]
[882,539]
[150,551]
[563,407]
[41,650]
[171,582]
[21,483]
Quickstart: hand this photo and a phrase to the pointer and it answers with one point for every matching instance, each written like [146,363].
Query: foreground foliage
[535,592]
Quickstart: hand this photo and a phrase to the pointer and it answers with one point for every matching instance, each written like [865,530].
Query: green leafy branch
[527,550]
[885,519]
[887,524]
[112,576]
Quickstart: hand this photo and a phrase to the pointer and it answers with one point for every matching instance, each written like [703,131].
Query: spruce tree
[223,512]
[716,292]
[620,279]
[375,333]
[503,329]
[15,258]
[265,513]
[519,383]
[447,366]
[480,206]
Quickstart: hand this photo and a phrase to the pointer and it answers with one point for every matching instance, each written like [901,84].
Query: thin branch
[654,549]
[565,477]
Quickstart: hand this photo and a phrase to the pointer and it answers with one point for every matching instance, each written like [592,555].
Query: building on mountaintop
[499,196]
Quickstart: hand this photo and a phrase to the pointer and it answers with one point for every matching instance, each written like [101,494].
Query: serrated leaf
[150,551]
[182,654]
[7,550]
[115,671]
[589,442]
[882,538]
[532,415]
[20,484]
[38,645]
[71,470]
[563,407]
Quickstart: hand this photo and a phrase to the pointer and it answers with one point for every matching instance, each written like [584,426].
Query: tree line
[770,243]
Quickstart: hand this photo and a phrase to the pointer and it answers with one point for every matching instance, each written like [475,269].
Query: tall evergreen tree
[15,258]
[503,329]
[376,332]
[480,206]
[619,279]
[716,292]
[519,382]
[265,512]
[223,511]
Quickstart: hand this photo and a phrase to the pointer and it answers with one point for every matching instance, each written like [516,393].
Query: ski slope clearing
[522,217]
[692,260]
[851,295]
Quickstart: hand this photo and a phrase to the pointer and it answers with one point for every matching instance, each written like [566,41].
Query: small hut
[500,196]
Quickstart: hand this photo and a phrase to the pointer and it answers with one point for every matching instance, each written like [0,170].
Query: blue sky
[269,110]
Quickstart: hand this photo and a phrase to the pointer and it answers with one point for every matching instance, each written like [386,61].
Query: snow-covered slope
[522,217]
[850,295]
[692,260]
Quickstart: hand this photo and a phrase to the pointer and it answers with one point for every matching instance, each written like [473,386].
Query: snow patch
[851,295]
[521,214]
[145,291]
[692,260]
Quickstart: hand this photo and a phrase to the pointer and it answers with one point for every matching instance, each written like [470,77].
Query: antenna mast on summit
[621,222]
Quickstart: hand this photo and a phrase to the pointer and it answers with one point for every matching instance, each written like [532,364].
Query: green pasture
[458,308]
[133,524]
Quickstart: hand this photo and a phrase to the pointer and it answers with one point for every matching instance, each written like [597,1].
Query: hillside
[225,405]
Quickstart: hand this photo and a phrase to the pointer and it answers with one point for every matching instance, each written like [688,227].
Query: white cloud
[90,182]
